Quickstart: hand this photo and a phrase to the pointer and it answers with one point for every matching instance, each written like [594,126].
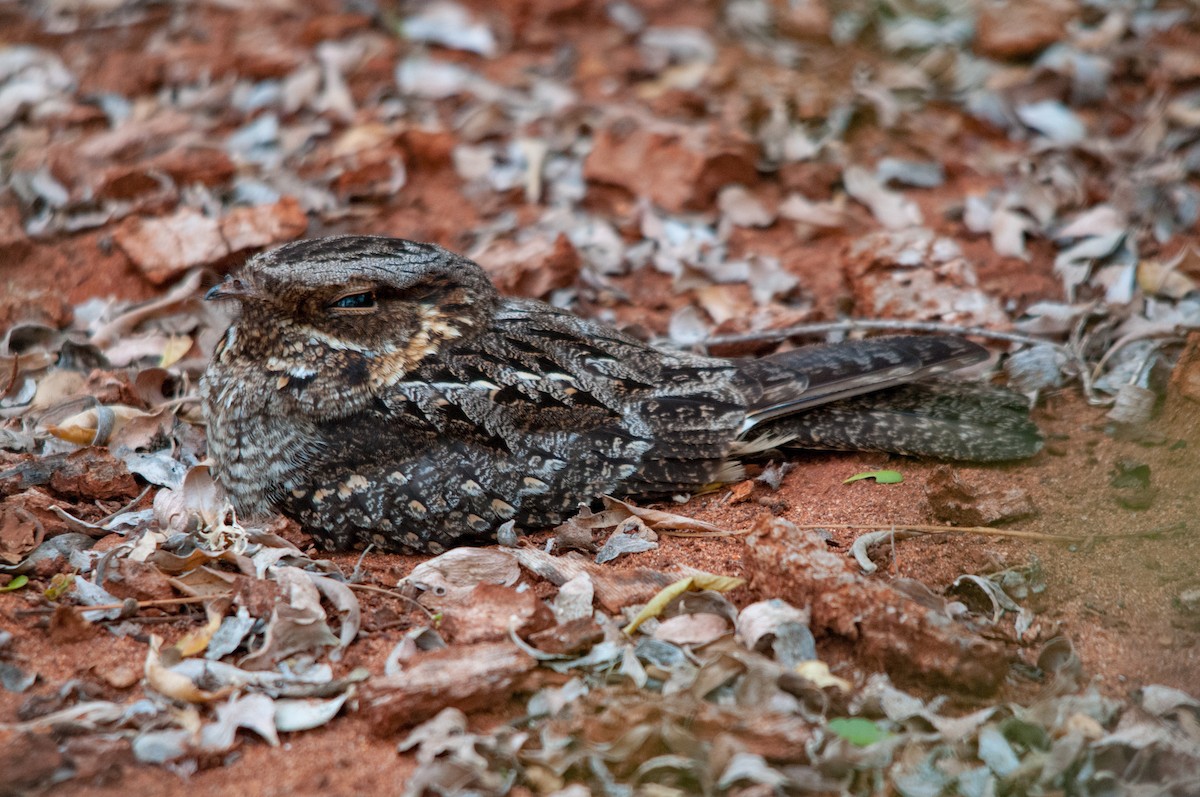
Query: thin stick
[392,594]
[929,529]
[140,604]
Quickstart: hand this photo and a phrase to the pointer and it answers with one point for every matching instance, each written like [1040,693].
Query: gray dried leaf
[621,543]
[1035,368]
[750,767]
[742,209]
[829,215]
[450,25]
[463,568]
[1053,120]
[772,475]
[631,667]
[344,600]
[254,712]
[228,637]
[1008,231]
[162,746]
[687,326]
[1162,700]
[996,752]
[776,625]
[90,594]
[1075,264]
[1051,318]
[297,621]
[692,629]
[972,587]
[14,679]
[305,714]
[158,468]
[574,599]
[917,174]
[422,76]
[662,46]
[891,209]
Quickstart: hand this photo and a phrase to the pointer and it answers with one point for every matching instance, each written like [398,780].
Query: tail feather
[877,395]
[796,380]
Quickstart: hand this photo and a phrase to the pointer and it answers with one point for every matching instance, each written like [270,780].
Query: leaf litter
[620,671]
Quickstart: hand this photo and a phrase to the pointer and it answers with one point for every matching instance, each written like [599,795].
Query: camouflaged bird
[380,391]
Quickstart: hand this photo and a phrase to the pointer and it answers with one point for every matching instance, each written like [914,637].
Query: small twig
[1170,335]
[140,604]
[393,594]
[992,532]
[722,533]
[127,506]
[931,529]
[357,573]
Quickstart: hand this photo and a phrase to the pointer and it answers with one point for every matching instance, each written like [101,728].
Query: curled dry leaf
[201,507]
[344,600]
[616,511]
[762,620]
[20,533]
[196,641]
[692,629]
[254,712]
[117,426]
[464,568]
[172,684]
[890,208]
[297,622]
[696,582]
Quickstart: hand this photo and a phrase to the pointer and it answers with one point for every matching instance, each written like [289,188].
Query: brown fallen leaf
[466,677]
[20,533]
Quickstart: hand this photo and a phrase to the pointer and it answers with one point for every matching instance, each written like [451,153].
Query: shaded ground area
[686,172]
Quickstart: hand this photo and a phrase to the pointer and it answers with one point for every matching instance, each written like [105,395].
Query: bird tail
[881,394]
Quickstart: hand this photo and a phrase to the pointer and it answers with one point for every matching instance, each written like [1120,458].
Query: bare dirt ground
[584,153]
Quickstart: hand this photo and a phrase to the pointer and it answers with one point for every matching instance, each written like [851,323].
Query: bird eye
[355,301]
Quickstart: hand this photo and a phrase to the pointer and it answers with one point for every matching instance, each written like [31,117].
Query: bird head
[363,309]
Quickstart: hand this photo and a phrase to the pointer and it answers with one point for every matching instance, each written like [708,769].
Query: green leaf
[16,583]
[857,730]
[880,477]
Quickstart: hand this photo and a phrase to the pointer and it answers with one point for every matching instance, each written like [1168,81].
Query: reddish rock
[29,760]
[138,580]
[887,627]
[487,612]
[467,677]
[263,225]
[92,473]
[573,637]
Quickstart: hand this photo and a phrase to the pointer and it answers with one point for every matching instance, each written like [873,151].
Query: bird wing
[789,382]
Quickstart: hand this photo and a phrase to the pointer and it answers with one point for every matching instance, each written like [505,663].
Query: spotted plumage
[381,391]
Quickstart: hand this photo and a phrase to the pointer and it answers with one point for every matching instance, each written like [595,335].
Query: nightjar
[380,391]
